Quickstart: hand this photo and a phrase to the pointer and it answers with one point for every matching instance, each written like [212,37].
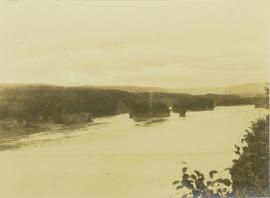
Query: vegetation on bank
[249,173]
[258,102]
[58,104]
[24,105]
[193,104]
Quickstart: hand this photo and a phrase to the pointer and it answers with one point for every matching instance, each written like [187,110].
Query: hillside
[248,89]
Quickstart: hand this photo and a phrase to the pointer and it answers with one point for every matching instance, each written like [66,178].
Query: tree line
[48,103]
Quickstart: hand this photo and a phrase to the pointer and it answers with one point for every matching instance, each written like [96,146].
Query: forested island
[146,110]
[193,104]
[25,106]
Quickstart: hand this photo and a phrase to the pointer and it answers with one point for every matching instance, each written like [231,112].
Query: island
[193,104]
[149,110]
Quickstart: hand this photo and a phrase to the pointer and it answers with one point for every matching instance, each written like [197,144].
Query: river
[116,157]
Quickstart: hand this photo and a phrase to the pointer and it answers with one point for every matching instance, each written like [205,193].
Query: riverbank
[17,131]
[9,137]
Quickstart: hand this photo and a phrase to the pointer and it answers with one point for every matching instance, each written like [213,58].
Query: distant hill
[134,89]
[247,90]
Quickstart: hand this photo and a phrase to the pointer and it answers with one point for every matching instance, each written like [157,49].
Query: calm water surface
[116,157]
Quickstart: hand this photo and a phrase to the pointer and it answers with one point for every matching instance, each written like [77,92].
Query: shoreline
[8,138]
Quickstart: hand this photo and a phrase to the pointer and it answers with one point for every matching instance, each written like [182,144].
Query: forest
[27,104]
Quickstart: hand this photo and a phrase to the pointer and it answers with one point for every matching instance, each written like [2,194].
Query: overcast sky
[181,43]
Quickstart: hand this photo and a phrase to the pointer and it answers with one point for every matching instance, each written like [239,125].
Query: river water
[116,157]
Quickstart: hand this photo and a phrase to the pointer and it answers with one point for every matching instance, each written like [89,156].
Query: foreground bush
[249,173]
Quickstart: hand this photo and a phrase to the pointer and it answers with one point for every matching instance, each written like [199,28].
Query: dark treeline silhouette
[219,100]
[145,109]
[31,103]
[258,102]
[47,103]
[193,104]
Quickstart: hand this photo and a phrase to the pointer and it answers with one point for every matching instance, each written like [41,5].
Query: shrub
[249,173]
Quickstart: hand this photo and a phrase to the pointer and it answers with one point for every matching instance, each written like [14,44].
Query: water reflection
[146,122]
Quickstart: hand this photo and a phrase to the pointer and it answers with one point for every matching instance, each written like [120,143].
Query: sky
[161,43]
